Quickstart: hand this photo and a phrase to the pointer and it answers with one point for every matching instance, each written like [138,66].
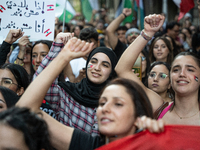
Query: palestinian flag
[139,8]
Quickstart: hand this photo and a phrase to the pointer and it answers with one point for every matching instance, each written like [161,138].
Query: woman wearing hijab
[120,103]
[75,103]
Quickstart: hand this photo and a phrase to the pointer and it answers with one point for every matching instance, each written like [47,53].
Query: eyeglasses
[160,75]
[143,58]
[133,33]
[7,82]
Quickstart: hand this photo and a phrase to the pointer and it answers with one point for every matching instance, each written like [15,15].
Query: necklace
[185,117]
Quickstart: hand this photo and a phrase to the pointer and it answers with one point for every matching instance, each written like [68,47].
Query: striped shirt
[68,111]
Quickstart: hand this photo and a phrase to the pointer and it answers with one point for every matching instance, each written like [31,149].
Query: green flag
[87,7]
[128,4]
[61,8]
[124,4]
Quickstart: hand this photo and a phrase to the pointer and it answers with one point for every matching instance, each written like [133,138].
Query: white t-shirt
[76,65]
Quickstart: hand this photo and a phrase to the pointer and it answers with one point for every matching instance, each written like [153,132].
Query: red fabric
[175,137]
[185,6]
[138,3]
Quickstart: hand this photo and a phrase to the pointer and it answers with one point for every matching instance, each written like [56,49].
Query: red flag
[2,8]
[47,32]
[175,137]
[50,7]
[185,6]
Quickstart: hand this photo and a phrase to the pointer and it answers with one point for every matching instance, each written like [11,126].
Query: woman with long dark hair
[76,103]
[184,77]
[160,50]
[120,103]
[14,77]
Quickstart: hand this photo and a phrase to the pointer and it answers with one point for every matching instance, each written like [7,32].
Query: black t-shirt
[84,141]
[47,108]
[119,49]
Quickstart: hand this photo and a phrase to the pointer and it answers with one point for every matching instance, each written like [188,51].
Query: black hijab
[86,92]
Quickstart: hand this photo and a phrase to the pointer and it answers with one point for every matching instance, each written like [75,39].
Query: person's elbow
[109,31]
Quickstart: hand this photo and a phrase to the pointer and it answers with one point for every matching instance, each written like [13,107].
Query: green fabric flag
[128,4]
[86,9]
[68,9]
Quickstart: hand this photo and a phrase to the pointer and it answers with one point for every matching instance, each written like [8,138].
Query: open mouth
[159,54]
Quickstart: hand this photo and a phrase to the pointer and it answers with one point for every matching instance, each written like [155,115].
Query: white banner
[34,17]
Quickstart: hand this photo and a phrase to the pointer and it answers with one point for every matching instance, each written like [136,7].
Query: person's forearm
[111,29]
[47,78]
[130,55]
[115,24]
[92,19]
[55,49]
[20,55]
[53,89]
[4,50]
[60,135]
[37,90]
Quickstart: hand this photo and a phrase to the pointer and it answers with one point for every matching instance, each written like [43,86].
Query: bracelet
[124,15]
[145,36]
[18,64]
[20,58]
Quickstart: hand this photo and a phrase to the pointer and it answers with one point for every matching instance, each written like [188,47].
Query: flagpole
[164,9]
[139,16]
[64,16]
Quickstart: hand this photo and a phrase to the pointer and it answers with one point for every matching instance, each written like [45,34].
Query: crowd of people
[80,90]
